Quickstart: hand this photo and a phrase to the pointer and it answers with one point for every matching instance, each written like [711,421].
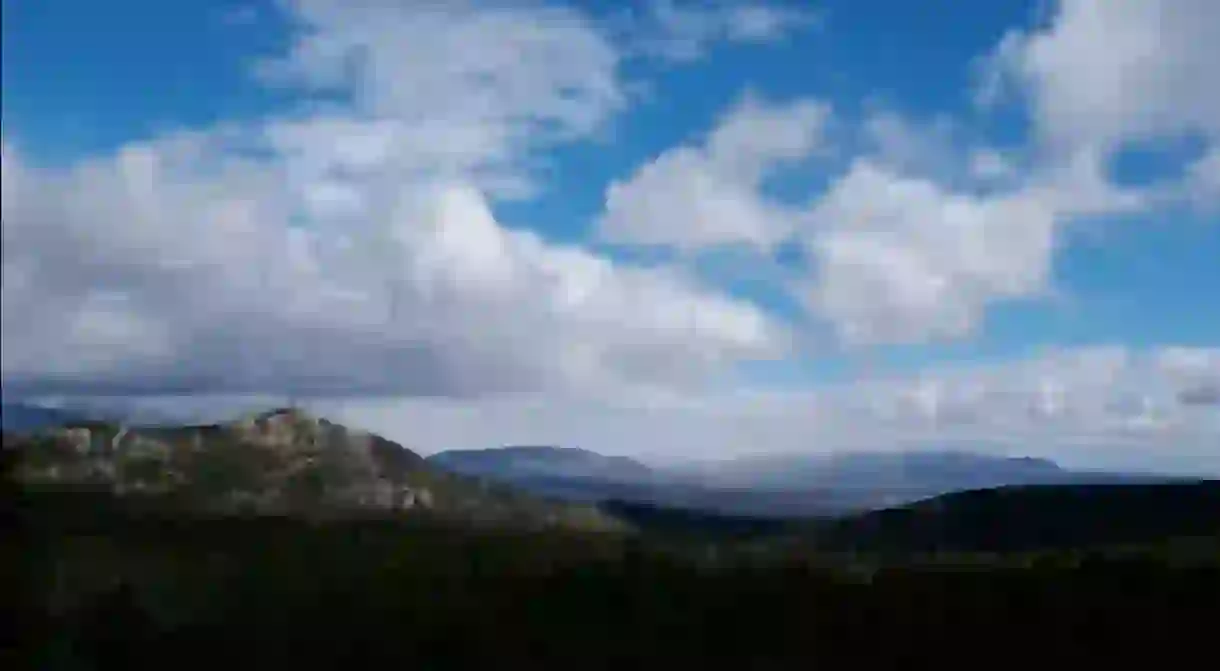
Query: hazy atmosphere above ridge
[652,228]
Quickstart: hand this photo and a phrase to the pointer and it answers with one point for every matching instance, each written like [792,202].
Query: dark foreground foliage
[107,587]
[1052,517]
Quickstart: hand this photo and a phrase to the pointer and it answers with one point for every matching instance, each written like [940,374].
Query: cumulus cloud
[940,148]
[898,253]
[921,236]
[147,271]
[351,245]
[1091,407]
[683,31]
[990,164]
[1204,180]
[1101,74]
[1105,406]
[928,147]
[928,228]
[445,89]
[711,193]
[352,248]
[1195,373]
[903,259]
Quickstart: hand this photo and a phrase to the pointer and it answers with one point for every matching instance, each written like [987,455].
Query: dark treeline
[1052,517]
[119,588]
[688,523]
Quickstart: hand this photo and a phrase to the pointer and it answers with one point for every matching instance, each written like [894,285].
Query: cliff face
[280,462]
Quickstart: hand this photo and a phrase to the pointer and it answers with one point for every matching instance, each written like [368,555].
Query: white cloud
[146,271]
[902,256]
[1106,71]
[1100,407]
[898,256]
[989,165]
[1204,179]
[1195,373]
[351,247]
[460,90]
[683,31]
[1092,407]
[901,259]
[930,147]
[929,227]
[1103,73]
[447,89]
[940,148]
[707,194]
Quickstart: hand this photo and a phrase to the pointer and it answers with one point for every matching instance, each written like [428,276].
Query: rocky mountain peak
[284,461]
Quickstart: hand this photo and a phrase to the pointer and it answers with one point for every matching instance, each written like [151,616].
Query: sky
[661,229]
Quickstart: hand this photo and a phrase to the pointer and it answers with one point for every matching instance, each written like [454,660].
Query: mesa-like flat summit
[281,462]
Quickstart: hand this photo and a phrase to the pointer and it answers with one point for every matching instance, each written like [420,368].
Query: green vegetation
[279,463]
[111,583]
[1024,518]
[120,559]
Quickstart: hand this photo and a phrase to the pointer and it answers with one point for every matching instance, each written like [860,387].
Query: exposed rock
[283,461]
[80,440]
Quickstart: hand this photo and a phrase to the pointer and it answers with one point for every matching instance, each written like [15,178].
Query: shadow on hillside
[108,585]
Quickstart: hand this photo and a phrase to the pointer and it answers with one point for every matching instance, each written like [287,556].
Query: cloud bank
[349,245]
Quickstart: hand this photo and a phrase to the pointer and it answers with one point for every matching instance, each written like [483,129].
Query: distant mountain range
[895,471]
[20,417]
[285,464]
[779,486]
[767,486]
[525,462]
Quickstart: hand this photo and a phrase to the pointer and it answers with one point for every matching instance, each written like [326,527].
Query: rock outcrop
[279,462]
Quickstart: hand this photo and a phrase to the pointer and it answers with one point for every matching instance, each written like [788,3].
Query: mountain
[519,462]
[891,478]
[894,471]
[577,475]
[108,589]
[21,417]
[279,462]
[768,486]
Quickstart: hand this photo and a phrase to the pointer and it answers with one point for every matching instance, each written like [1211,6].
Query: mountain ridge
[776,485]
[26,417]
[542,460]
[779,485]
[280,461]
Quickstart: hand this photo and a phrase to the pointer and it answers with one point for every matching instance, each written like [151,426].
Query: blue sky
[782,198]
[76,87]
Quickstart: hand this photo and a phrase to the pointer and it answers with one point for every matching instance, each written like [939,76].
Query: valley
[169,541]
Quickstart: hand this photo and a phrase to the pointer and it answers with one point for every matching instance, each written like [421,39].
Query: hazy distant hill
[21,417]
[279,462]
[578,475]
[542,461]
[895,471]
[876,479]
[769,486]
